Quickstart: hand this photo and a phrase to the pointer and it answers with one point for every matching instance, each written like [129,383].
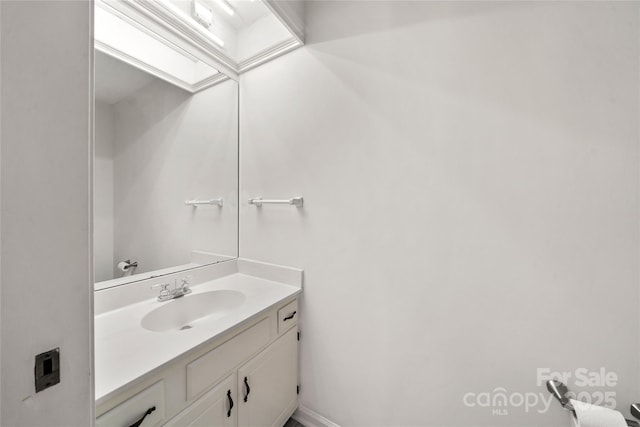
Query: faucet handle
[186,281]
[184,285]
[164,288]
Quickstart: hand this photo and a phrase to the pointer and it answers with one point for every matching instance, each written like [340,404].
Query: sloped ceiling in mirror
[193,43]
[116,80]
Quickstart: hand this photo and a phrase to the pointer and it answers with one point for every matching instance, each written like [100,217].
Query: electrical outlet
[47,369]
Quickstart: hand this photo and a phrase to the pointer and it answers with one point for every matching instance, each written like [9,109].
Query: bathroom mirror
[166,128]
[165,172]
[166,177]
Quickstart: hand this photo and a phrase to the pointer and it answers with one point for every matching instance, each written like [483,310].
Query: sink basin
[182,313]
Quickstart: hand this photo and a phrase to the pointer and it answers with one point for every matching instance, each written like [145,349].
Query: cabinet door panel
[272,377]
[212,409]
[211,367]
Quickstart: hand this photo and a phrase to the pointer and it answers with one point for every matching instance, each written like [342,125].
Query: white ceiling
[247,12]
[115,80]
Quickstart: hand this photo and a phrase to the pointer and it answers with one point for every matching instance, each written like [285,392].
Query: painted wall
[294,10]
[470,174]
[172,146]
[103,192]
[45,194]
[262,34]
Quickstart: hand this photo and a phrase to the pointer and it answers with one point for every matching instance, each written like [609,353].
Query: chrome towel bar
[259,201]
[196,203]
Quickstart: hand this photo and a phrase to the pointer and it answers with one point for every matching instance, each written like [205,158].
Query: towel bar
[196,203]
[259,201]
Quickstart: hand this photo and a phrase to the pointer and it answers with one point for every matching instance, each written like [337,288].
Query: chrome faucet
[166,294]
[184,288]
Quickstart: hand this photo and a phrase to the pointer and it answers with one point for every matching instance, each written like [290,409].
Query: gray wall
[171,146]
[103,192]
[470,174]
[46,278]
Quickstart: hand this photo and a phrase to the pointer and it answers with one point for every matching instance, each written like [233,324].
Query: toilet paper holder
[126,265]
[561,392]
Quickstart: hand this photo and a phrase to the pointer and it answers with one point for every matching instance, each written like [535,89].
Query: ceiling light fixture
[191,22]
[201,13]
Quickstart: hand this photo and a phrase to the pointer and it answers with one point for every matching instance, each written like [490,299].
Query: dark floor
[292,423]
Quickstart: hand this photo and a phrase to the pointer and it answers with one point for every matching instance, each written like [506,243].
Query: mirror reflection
[239,28]
[166,178]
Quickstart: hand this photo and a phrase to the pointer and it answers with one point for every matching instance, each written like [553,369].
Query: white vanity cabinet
[249,377]
[268,384]
[263,392]
[216,408]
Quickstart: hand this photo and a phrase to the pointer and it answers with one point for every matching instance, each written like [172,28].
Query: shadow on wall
[518,66]
[472,184]
[385,16]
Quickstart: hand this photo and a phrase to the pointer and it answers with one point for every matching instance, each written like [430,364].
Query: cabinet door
[217,408]
[269,383]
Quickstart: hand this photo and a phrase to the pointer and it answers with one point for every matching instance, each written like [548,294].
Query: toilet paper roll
[124,266]
[588,415]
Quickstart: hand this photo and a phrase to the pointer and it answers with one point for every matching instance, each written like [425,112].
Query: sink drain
[185,327]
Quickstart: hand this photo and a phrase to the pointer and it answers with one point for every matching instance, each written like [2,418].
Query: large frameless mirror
[166,129]
[165,155]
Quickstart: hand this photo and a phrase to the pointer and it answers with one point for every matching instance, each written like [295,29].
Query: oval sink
[181,313]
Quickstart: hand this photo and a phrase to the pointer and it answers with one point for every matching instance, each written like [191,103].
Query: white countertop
[125,351]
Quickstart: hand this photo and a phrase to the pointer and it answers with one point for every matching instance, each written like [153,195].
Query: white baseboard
[309,418]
